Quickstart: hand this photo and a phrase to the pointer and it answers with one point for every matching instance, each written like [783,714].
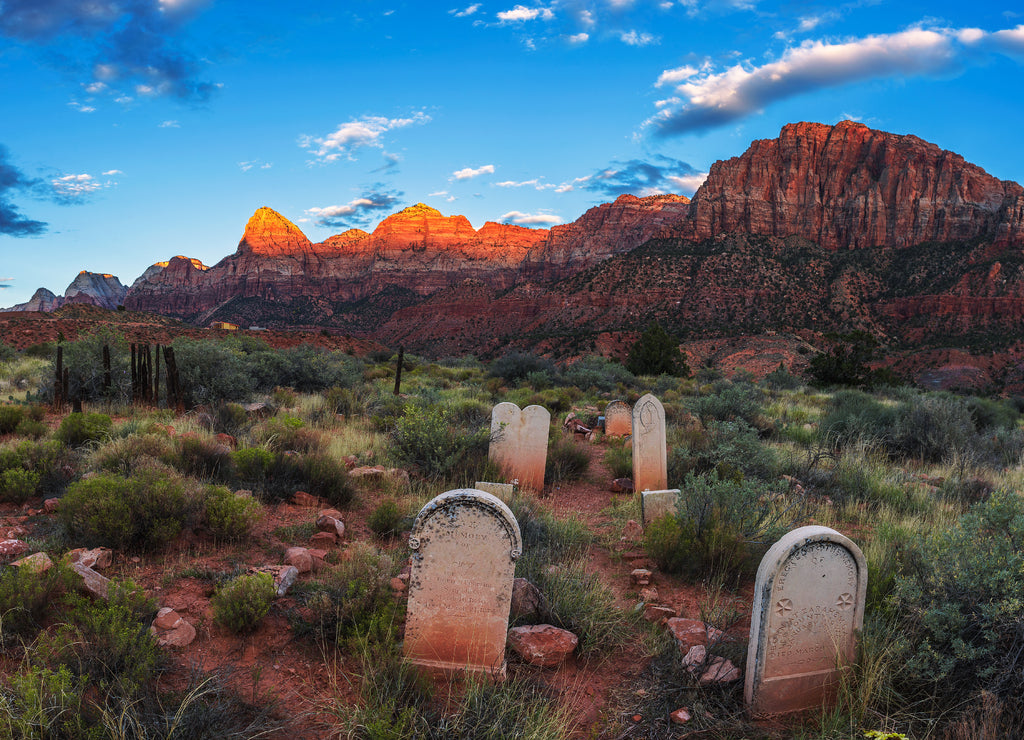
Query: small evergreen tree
[656,353]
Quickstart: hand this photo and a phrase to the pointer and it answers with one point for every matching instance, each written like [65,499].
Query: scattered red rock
[542,644]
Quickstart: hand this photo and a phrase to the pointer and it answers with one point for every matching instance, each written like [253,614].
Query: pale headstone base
[449,670]
[795,694]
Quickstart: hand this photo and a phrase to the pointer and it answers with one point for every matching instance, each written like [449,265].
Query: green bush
[228,516]
[354,600]
[780,379]
[125,454]
[202,456]
[732,402]
[517,365]
[959,600]
[287,433]
[656,353]
[211,371]
[386,519]
[251,464]
[79,429]
[17,485]
[241,603]
[55,465]
[42,703]
[25,597]
[855,415]
[231,418]
[596,372]
[31,428]
[566,460]
[108,640]
[619,460]
[732,449]
[722,525]
[427,438]
[10,418]
[143,512]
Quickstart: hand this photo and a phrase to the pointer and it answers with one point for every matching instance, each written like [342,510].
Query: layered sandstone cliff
[849,186]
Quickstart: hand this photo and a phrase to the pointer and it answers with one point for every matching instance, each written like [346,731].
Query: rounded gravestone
[465,543]
[519,442]
[650,456]
[808,608]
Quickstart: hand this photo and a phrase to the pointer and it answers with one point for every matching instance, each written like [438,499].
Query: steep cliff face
[41,300]
[848,186]
[93,288]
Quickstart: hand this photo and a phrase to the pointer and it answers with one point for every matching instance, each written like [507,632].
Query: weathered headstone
[650,458]
[808,607]
[618,419]
[519,443]
[504,491]
[656,504]
[465,544]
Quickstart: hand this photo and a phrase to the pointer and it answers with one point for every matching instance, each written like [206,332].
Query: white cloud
[672,76]
[634,38]
[521,13]
[75,186]
[348,209]
[246,166]
[714,99]
[512,184]
[95,87]
[568,187]
[586,19]
[111,173]
[467,173]
[688,184]
[367,131]
[170,124]
[530,219]
[82,108]
[578,38]
[437,194]
[464,13]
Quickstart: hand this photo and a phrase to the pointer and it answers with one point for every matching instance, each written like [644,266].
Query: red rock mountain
[418,250]
[848,186]
[91,288]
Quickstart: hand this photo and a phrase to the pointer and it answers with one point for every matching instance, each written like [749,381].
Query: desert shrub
[427,438]
[17,485]
[108,640]
[143,512]
[597,372]
[79,429]
[722,525]
[990,413]
[517,365]
[10,418]
[566,460]
[202,456]
[25,596]
[55,465]
[656,353]
[386,519]
[780,379]
[930,426]
[354,600]
[251,464]
[242,602]
[283,433]
[732,449]
[318,474]
[211,372]
[959,599]
[231,418]
[855,415]
[731,402]
[619,460]
[43,703]
[228,516]
[345,401]
[125,454]
[31,428]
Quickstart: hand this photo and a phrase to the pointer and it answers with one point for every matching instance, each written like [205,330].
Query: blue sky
[134,130]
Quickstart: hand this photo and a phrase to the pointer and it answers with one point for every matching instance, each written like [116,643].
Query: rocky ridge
[93,288]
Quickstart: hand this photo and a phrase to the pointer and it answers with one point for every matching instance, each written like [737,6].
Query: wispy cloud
[170,124]
[521,13]
[468,173]
[530,219]
[12,181]
[82,107]
[658,175]
[358,133]
[122,41]
[464,13]
[3,282]
[254,164]
[112,173]
[359,211]
[706,98]
[635,38]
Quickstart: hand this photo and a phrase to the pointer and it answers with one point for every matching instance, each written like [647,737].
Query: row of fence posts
[145,367]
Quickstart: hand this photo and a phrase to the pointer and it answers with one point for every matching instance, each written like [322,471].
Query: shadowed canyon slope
[824,228]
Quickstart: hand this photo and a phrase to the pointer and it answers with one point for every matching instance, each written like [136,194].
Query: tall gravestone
[464,547]
[618,419]
[808,608]
[519,442]
[650,459]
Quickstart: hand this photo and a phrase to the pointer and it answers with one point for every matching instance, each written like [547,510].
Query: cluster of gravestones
[808,594]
